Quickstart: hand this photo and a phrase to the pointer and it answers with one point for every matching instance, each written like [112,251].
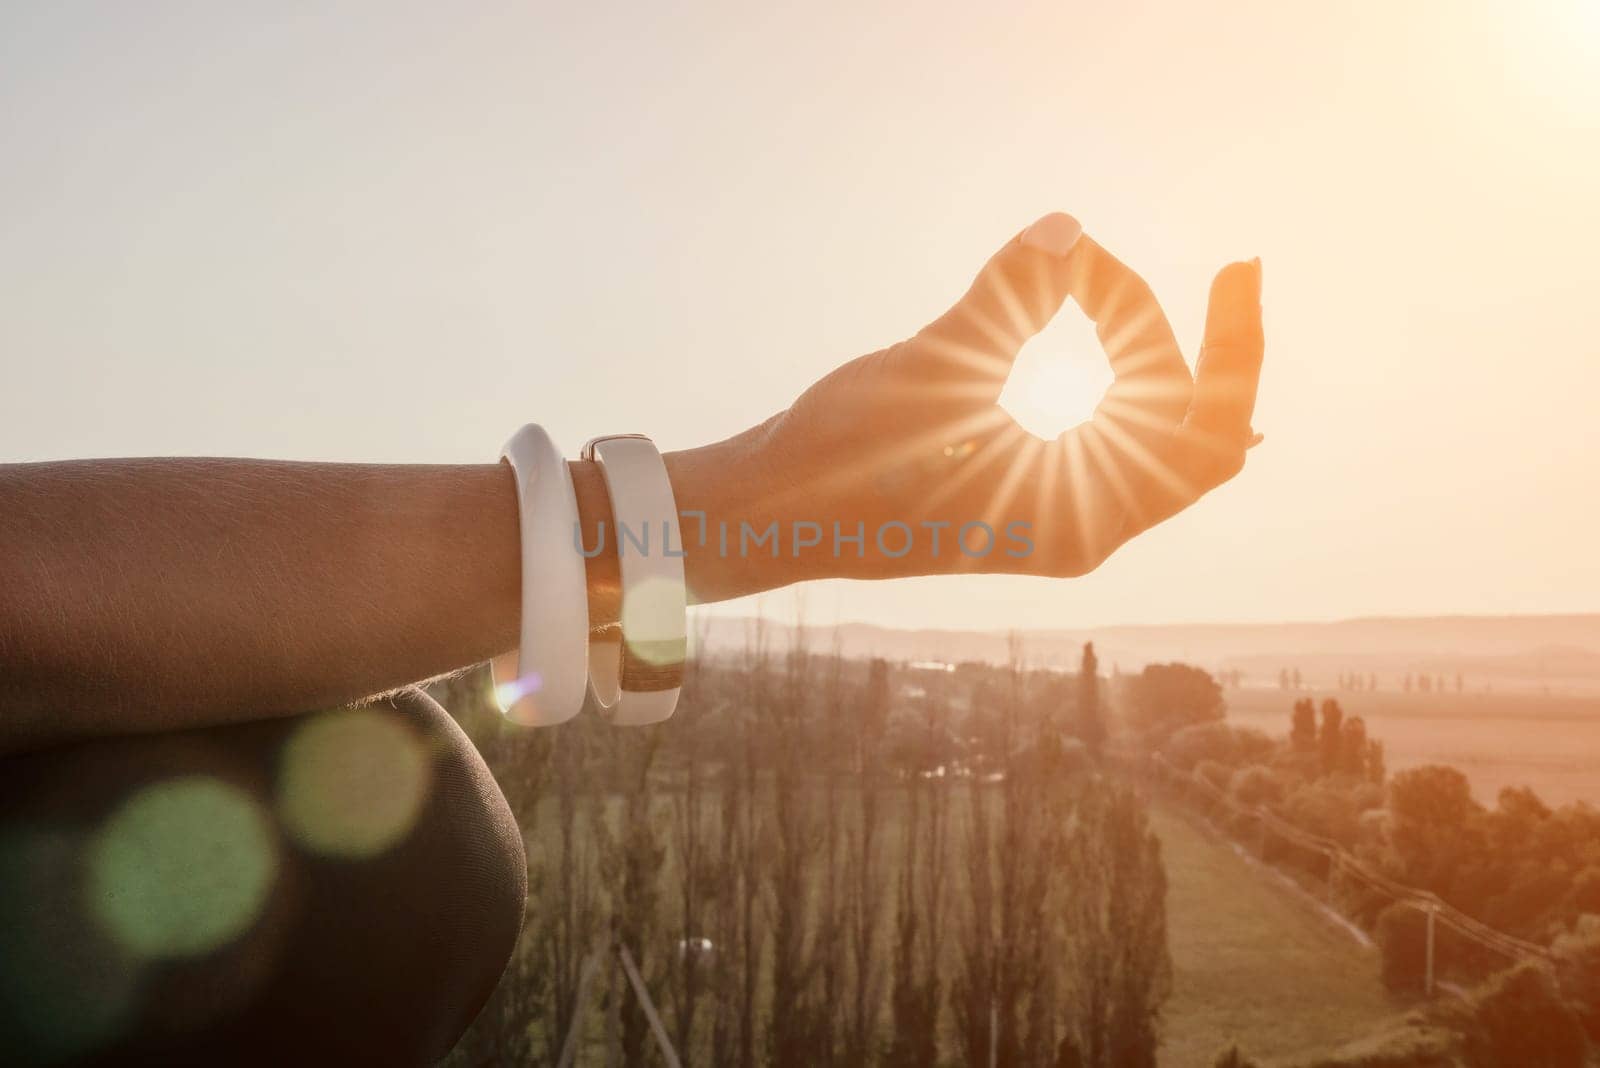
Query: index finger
[1152,384]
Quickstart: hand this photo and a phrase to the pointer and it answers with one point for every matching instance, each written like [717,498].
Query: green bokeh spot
[64,987]
[182,868]
[351,783]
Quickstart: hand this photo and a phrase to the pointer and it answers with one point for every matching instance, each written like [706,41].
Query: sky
[394,232]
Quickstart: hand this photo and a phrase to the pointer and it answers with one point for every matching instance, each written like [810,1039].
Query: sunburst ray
[1006,439]
[1151,464]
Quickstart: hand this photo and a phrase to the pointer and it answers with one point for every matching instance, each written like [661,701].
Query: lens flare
[509,693]
[352,782]
[652,621]
[183,867]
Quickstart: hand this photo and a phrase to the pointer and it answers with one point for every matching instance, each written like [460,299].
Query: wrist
[713,488]
[602,571]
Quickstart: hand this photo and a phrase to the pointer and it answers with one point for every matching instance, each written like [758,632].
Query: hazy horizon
[724,612]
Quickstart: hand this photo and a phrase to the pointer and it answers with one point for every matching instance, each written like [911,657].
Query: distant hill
[1557,651]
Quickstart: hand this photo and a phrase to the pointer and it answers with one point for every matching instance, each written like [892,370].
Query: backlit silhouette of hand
[907,450]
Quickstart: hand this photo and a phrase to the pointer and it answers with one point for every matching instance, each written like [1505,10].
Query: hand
[908,447]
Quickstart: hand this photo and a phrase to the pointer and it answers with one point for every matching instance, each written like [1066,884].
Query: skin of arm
[156,594]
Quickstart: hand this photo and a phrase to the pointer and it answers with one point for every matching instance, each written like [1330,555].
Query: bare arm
[142,595]
[152,594]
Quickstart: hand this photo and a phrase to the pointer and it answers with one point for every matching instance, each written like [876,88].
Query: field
[1551,743]
[1253,962]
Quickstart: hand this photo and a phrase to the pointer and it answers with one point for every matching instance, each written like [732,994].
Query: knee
[409,876]
[481,903]
[458,880]
[391,904]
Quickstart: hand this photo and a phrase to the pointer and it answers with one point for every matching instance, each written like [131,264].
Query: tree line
[821,861]
[1519,866]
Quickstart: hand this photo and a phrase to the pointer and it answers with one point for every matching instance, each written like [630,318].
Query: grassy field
[1253,962]
[1551,743]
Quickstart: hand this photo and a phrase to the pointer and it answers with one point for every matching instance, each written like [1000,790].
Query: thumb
[1015,294]
[1229,368]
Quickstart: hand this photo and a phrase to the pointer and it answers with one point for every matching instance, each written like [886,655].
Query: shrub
[1167,697]
[1296,765]
[1515,1019]
[1584,896]
[1256,785]
[1231,746]
[1402,935]
[1325,809]
[1205,741]
[1432,818]
[1252,746]
[1373,825]
[1366,797]
[1521,1018]
[1579,968]
[1532,901]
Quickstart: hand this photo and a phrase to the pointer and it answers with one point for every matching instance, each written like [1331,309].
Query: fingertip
[1015,293]
[1234,310]
[1055,234]
[1239,276]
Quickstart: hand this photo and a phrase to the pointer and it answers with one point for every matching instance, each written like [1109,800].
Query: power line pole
[1428,979]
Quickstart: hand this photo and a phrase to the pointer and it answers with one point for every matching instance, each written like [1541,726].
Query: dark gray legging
[339,888]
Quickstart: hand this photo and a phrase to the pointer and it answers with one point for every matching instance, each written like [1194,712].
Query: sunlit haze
[394,234]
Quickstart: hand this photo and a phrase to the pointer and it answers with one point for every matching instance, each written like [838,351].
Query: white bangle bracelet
[544,681]
[635,677]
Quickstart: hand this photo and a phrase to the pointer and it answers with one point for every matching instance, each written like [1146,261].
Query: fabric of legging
[341,888]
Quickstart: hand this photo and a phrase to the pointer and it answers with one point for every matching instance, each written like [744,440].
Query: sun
[1586,16]
[1058,378]
[1553,50]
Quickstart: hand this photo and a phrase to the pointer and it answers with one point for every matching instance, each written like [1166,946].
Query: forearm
[153,594]
[160,594]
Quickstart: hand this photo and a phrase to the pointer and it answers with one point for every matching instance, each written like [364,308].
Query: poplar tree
[1091,720]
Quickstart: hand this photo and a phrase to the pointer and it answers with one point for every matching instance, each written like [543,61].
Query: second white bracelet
[636,670]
